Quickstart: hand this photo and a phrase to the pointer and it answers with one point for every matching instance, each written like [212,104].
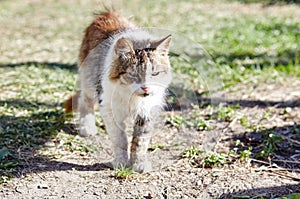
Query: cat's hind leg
[87,123]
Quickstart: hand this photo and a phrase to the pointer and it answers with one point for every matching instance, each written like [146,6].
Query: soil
[271,107]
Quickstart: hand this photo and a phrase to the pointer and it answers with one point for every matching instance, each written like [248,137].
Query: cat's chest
[125,105]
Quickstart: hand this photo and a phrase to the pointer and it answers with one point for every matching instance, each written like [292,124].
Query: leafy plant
[208,158]
[226,113]
[191,153]
[245,154]
[124,172]
[190,122]
[155,147]
[215,159]
[175,120]
[271,142]
[200,124]
[244,122]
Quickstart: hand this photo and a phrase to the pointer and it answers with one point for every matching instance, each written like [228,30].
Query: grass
[124,172]
[226,113]
[38,54]
[206,159]
[193,120]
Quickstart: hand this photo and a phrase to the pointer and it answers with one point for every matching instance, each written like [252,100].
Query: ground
[231,128]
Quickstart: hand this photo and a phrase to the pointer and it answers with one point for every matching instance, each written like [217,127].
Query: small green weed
[191,121]
[193,152]
[271,142]
[242,155]
[213,159]
[248,125]
[175,120]
[199,124]
[244,122]
[124,172]
[209,159]
[255,126]
[245,154]
[226,113]
[156,147]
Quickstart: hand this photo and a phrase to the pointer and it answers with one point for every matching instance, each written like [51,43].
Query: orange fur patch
[103,26]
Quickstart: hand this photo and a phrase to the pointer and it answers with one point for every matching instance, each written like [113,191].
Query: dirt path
[74,175]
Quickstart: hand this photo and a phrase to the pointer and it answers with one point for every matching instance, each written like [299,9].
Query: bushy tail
[72,103]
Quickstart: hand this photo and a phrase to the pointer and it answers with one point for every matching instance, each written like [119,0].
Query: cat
[126,71]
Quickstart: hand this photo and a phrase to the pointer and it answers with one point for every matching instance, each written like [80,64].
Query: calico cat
[126,71]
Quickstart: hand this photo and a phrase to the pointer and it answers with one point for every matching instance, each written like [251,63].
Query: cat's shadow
[41,164]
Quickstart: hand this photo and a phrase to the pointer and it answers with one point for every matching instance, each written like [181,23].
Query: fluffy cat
[126,71]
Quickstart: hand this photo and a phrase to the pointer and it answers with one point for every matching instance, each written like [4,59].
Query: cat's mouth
[144,94]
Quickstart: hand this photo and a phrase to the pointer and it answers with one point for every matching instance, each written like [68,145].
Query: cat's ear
[123,46]
[163,45]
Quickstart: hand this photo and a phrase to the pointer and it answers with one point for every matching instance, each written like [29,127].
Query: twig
[43,178]
[286,161]
[257,169]
[232,123]
[275,169]
[291,140]
[272,170]
[287,176]
[260,161]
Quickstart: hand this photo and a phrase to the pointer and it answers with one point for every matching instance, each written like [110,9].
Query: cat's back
[104,26]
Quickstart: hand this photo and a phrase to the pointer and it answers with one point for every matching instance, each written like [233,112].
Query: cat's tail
[72,103]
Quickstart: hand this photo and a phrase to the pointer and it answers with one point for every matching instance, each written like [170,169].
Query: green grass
[193,120]
[39,48]
[124,172]
[245,46]
[226,113]
[202,158]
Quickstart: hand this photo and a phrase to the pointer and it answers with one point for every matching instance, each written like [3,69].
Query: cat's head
[144,71]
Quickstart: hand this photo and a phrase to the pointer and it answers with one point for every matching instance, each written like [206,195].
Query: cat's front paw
[87,125]
[119,163]
[85,130]
[142,167]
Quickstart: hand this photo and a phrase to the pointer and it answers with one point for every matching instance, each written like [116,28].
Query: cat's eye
[122,73]
[155,73]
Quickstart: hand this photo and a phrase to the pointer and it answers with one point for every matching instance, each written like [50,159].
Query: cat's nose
[145,88]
